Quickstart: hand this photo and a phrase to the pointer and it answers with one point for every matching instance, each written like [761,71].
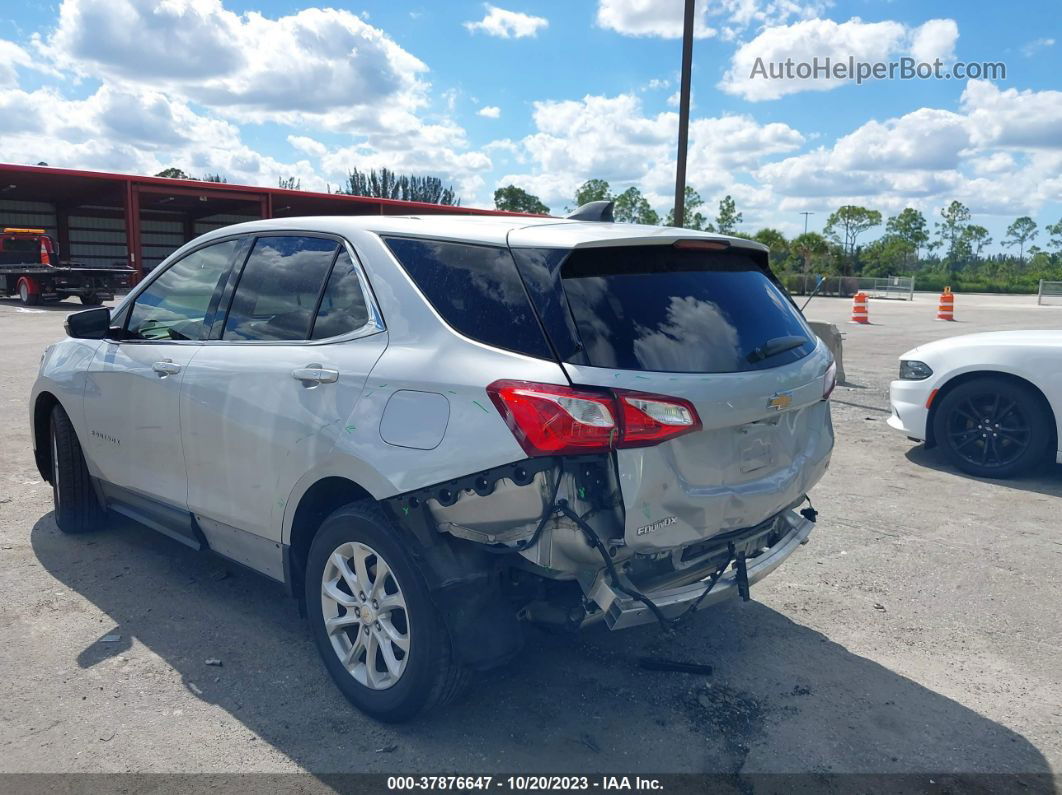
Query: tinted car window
[664,309]
[175,305]
[278,290]
[343,306]
[476,290]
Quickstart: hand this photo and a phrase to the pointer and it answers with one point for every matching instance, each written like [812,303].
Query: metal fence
[901,287]
[1049,292]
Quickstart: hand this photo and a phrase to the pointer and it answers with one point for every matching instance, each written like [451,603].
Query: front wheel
[993,428]
[27,296]
[77,509]
[380,636]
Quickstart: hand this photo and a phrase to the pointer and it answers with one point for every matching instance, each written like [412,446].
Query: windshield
[657,308]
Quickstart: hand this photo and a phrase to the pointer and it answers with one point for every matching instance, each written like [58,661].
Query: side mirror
[91,324]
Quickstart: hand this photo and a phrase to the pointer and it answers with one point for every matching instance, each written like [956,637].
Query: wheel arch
[1002,375]
[42,425]
[316,503]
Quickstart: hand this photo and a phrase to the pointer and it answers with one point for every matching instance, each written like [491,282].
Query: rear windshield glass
[662,309]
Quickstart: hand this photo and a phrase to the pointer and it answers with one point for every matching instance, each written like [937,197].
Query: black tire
[26,297]
[90,299]
[993,428]
[432,677]
[77,508]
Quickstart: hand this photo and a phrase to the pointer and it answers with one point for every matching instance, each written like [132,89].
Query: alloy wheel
[989,430]
[365,615]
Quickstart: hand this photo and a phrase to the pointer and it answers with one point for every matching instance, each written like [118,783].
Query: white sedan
[991,403]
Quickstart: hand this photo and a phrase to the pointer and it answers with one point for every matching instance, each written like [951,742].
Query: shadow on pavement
[1042,480]
[783,697]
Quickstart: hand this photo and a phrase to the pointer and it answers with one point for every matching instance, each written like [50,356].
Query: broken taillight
[548,419]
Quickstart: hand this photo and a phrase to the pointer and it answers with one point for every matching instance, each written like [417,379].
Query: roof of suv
[515,230]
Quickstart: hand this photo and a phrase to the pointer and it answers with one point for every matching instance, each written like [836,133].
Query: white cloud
[664,18]
[612,138]
[1034,46]
[803,42]
[489,112]
[321,64]
[310,146]
[507,24]
[1012,117]
[661,18]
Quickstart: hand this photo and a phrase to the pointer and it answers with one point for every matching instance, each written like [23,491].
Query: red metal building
[106,219]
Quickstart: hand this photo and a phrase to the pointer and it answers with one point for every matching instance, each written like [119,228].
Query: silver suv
[434,430]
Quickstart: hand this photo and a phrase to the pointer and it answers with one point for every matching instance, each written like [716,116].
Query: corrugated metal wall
[212,222]
[97,241]
[159,238]
[34,215]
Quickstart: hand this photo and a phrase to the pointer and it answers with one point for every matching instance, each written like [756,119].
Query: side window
[278,290]
[476,289]
[175,305]
[343,306]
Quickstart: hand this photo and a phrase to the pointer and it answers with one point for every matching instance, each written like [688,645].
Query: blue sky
[546,95]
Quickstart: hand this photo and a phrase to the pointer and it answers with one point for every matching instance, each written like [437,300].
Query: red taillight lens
[548,419]
[554,420]
[829,381]
[651,419]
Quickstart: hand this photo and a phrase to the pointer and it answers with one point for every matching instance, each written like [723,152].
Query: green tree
[775,241]
[976,238]
[517,200]
[692,219]
[633,208]
[808,246]
[389,185]
[215,178]
[289,183]
[593,190]
[846,224]
[909,226]
[173,173]
[728,219]
[950,232]
[1019,233]
[1054,232]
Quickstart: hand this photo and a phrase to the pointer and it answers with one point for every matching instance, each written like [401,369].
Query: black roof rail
[594,211]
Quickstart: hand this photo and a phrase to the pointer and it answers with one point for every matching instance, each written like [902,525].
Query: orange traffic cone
[946,307]
[859,309]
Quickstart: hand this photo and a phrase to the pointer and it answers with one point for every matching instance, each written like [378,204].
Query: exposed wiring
[595,541]
[551,508]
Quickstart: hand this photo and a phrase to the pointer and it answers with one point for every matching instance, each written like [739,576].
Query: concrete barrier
[832,336]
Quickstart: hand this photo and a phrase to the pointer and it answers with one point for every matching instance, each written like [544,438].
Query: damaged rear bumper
[620,611]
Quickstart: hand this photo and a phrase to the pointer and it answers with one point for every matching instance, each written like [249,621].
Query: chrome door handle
[315,374]
[166,367]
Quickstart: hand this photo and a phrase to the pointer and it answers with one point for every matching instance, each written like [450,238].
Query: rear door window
[343,308]
[279,289]
[658,308]
[477,291]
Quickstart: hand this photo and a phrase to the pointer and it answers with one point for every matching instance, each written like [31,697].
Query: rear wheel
[26,295]
[91,299]
[380,636]
[77,510]
[993,428]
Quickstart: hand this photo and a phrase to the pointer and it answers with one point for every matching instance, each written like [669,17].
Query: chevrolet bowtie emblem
[780,401]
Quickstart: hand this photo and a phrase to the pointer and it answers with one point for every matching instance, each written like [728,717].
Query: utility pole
[806,214]
[684,113]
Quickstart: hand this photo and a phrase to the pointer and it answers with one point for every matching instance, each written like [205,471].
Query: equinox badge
[780,400]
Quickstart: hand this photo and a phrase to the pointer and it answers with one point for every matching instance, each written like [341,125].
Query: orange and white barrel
[946,305]
[859,309]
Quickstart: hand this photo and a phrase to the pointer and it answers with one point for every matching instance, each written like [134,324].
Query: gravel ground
[917,632]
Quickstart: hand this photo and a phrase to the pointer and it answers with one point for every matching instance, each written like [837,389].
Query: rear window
[22,245]
[663,309]
[476,290]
